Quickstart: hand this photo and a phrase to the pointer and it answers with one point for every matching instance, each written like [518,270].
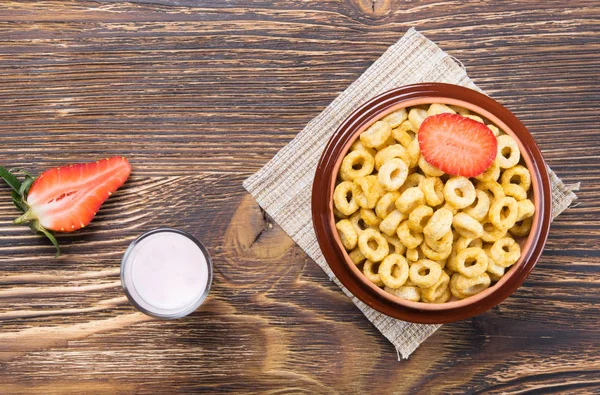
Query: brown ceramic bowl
[325,179]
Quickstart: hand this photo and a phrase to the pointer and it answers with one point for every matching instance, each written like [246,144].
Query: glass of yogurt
[166,273]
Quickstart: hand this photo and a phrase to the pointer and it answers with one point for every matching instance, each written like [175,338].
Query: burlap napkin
[283,186]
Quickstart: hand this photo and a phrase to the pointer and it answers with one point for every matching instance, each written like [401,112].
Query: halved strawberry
[65,199]
[457,145]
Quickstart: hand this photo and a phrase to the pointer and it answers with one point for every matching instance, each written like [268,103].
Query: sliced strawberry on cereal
[457,145]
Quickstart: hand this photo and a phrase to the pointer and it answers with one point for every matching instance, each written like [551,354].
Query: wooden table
[199,95]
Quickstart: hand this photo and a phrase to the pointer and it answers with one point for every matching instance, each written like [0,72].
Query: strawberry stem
[36,227]
[18,194]
[27,217]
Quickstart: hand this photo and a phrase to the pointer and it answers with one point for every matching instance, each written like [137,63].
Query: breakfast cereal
[426,234]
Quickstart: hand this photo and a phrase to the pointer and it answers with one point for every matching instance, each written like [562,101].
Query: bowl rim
[322,204]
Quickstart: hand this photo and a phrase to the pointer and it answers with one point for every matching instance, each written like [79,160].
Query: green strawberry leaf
[53,240]
[25,185]
[36,227]
[19,170]
[18,201]
[10,179]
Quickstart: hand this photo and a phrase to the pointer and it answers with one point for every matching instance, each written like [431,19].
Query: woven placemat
[283,186]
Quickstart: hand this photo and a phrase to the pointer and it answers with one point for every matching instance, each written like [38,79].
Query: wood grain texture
[199,95]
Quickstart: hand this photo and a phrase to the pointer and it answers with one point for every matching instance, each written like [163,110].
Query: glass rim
[129,288]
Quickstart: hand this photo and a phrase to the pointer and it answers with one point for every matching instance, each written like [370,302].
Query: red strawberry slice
[65,199]
[457,145]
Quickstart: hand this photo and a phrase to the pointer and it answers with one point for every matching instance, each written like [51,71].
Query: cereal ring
[356,256]
[419,217]
[448,271]
[437,290]
[467,226]
[425,273]
[413,180]
[396,118]
[388,142]
[428,169]
[436,255]
[356,164]
[494,270]
[416,116]
[396,246]
[414,152]
[462,286]
[407,292]
[394,271]
[464,242]
[392,174]
[459,192]
[404,134]
[409,238]
[491,233]
[433,188]
[390,224]
[367,191]
[492,187]
[505,252]
[439,224]
[521,228]
[376,134]
[371,272]
[413,254]
[442,244]
[461,110]
[471,262]
[436,108]
[348,235]
[443,298]
[442,262]
[358,146]
[514,191]
[508,152]
[409,199]
[343,198]
[496,273]
[452,286]
[492,173]
[370,218]
[480,207]
[494,130]
[526,209]
[451,262]
[393,151]
[518,175]
[373,245]
[451,208]
[455,236]
[474,117]
[386,204]
[364,219]
[337,214]
[504,213]
[358,223]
